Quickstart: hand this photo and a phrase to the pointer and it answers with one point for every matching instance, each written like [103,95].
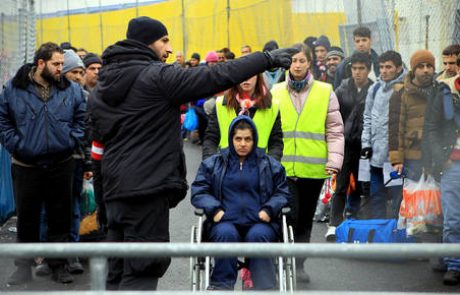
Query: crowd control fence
[99,252]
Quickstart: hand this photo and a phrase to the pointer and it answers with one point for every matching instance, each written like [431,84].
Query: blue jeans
[380,194]
[450,198]
[225,270]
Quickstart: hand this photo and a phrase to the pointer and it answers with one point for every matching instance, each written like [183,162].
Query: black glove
[366,153]
[281,58]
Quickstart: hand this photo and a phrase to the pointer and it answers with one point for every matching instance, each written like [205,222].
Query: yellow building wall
[251,22]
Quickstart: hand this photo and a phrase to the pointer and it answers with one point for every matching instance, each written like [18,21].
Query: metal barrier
[99,252]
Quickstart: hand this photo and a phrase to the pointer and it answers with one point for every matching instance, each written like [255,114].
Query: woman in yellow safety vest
[313,140]
[251,98]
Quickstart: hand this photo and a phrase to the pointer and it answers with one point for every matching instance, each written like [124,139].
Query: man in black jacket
[136,109]
[352,96]
[362,40]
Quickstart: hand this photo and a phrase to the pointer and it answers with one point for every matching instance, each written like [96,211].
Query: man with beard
[407,114]
[333,58]
[41,124]
[136,110]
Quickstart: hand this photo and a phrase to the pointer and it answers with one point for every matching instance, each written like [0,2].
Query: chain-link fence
[17,41]
[404,25]
[17,37]
[203,25]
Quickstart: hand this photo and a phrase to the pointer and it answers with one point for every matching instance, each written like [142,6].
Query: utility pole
[68,22]
[359,10]
[137,8]
[101,28]
[427,30]
[228,23]
[184,30]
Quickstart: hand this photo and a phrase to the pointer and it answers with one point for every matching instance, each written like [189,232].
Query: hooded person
[320,49]
[135,111]
[275,75]
[241,178]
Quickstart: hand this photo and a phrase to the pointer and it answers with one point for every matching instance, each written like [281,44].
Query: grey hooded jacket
[375,125]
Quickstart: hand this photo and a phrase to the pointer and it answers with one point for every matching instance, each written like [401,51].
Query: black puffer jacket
[440,131]
[135,110]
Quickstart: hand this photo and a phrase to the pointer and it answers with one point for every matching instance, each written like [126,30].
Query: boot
[74,266]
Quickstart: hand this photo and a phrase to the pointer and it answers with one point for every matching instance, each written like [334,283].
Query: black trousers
[140,219]
[51,187]
[350,167]
[305,193]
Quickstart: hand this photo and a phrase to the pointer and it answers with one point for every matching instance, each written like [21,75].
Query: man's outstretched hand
[281,58]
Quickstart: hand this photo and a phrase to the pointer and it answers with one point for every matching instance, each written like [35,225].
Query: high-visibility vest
[304,135]
[264,119]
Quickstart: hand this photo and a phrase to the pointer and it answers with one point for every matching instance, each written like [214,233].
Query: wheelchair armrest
[285,210]
[199,212]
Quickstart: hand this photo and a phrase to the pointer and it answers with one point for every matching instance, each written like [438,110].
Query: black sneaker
[451,278]
[21,275]
[62,275]
[42,269]
[75,267]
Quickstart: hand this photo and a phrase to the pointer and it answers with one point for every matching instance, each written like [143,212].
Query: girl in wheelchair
[242,191]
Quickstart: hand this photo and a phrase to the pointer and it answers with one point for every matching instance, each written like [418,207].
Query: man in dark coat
[352,97]
[136,110]
[41,124]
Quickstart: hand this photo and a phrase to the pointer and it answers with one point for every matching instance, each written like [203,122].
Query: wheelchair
[201,267]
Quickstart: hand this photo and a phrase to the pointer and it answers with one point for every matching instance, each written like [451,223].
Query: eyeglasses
[451,63]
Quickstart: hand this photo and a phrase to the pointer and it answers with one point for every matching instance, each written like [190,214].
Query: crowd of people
[273,124]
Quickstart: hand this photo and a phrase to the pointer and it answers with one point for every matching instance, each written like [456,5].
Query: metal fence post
[98,271]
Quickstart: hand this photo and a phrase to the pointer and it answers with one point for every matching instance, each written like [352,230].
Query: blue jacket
[263,184]
[37,132]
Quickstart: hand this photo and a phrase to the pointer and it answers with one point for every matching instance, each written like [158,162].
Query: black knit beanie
[145,30]
[91,58]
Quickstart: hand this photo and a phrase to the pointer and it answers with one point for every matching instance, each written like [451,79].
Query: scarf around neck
[297,86]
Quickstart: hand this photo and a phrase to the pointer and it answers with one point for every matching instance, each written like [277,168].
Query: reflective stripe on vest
[264,119]
[304,135]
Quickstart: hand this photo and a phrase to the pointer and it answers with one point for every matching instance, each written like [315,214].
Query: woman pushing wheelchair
[242,191]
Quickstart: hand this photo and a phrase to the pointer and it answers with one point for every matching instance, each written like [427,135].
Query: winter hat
[65,45]
[335,51]
[310,41]
[322,41]
[91,58]
[197,56]
[421,56]
[145,30]
[270,46]
[211,56]
[71,61]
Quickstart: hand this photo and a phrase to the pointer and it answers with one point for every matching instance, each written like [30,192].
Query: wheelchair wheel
[196,264]
[291,265]
[286,265]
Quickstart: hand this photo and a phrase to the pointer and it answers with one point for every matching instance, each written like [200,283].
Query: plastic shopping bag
[87,202]
[420,210]
[323,205]
[191,120]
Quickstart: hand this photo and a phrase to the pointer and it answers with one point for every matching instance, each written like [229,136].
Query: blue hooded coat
[241,191]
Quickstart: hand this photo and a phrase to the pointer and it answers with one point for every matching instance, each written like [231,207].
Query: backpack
[370,231]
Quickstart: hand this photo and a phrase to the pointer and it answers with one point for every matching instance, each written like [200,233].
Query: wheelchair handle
[286,210]
[199,212]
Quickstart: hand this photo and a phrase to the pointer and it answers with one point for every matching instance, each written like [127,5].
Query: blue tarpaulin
[7,206]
